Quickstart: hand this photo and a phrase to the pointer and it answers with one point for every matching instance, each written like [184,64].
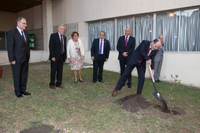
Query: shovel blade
[158,96]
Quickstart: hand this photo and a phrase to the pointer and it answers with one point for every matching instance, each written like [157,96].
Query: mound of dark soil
[133,103]
[40,128]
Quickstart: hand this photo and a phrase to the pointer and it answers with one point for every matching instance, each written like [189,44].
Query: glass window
[2,41]
[69,28]
[109,28]
[168,25]
[94,30]
[143,29]
[190,30]
[122,24]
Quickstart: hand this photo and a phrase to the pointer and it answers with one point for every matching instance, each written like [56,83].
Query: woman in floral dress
[75,55]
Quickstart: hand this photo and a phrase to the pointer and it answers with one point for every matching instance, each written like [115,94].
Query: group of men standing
[129,58]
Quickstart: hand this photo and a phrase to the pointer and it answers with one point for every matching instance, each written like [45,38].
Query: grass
[88,107]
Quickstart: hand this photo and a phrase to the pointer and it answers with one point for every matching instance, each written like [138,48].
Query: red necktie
[126,41]
[140,63]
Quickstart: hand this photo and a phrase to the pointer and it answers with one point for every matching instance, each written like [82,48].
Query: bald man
[158,60]
[125,46]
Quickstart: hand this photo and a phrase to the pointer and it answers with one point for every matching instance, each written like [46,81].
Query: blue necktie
[23,36]
[100,48]
[162,51]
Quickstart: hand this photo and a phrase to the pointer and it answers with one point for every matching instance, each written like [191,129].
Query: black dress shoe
[19,95]
[80,80]
[101,81]
[25,93]
[94,81]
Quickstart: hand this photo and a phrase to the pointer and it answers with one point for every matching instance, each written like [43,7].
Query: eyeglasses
[101,34]
[24,23]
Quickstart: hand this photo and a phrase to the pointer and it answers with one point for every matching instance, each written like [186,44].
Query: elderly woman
[75,54]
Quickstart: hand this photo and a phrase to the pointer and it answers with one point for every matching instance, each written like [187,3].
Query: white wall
[8,20]
[33,17]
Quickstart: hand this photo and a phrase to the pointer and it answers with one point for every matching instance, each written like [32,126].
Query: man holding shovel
[144,52]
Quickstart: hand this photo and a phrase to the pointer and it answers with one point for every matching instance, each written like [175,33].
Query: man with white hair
[57,50]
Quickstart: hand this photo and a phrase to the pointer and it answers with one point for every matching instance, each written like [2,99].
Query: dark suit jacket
[18,49]
[95,49]
[122,48]
[55,46]
[141,54]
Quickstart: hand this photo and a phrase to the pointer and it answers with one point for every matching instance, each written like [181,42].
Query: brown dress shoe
[60,86]
[114,93]
[141,96]
[53,87]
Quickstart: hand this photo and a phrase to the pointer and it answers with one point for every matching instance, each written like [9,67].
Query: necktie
[23,36]
[140,63]
[162,51]
[126,41]
[100,48]
[61,44]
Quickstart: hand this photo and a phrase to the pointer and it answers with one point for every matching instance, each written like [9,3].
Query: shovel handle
[151,74]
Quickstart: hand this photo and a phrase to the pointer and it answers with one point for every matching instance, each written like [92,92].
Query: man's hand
[125,54]
[13,62]
[149,62]
[53,59]
[106,59]
[92,57]
[70,60]
[83,58]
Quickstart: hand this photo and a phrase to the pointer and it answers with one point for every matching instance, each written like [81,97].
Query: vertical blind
[143,29]
[122,24]
[190,30]
[109,28]
[94,30]
[180,30]
[169,27]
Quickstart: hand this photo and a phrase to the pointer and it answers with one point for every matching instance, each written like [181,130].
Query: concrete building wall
[8,20]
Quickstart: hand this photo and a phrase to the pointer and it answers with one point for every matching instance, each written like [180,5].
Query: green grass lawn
[88,107]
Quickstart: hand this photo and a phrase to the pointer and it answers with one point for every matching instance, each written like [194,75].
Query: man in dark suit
[99,54]
[57,49]
[19,55]
[125,46]
[144,52]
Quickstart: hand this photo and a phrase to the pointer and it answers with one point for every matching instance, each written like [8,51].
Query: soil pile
[133,103]
[40,128]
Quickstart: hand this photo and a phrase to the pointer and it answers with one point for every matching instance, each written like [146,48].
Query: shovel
[157,94]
